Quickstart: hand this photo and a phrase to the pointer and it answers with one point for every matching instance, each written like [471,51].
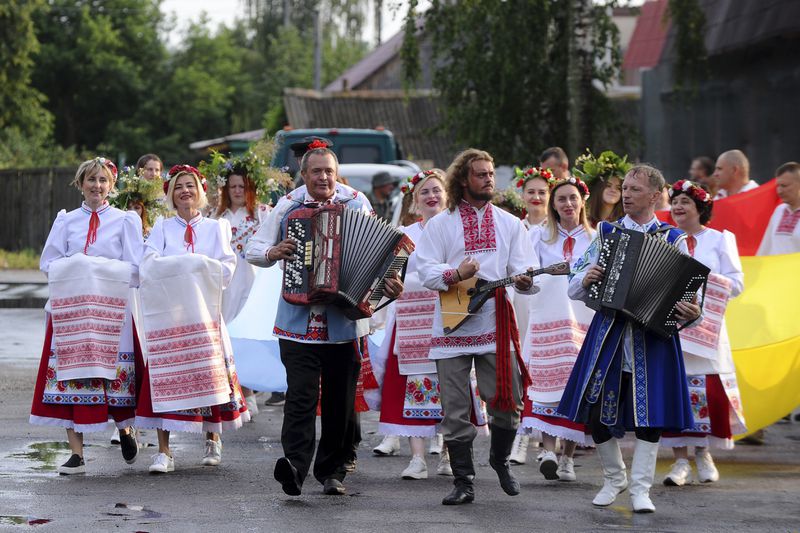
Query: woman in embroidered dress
[87,404]
[533,181]
[237,205]
[190,233]
[410,393]
[556,328]
[710,371]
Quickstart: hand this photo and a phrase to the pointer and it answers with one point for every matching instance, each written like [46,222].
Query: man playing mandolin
[473,238]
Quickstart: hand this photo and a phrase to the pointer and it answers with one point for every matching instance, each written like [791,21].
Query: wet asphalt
[759,489]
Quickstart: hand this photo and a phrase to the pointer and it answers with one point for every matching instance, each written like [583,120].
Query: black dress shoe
[333,487]
[461,494]
[74,465]
[129,446]
[288,477]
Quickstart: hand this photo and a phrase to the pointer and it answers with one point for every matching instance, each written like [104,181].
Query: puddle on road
[46,455]
[129,510]
[16,520]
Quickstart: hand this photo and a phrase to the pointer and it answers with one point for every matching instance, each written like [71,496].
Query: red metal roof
[649,36]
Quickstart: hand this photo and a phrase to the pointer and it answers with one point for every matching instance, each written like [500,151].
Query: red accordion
[342,258]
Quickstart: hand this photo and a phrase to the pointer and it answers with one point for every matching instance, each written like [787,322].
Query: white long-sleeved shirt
[212,238]
[119,236]
[497,241]
[783,232]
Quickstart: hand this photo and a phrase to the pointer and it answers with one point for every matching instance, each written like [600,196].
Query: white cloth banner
[555,333]
[88,296]
[414,319]
[702,340]
[181,302]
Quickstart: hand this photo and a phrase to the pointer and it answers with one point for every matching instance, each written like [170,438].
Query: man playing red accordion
[316,341]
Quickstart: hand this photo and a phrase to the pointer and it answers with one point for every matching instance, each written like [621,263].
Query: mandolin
[465,298]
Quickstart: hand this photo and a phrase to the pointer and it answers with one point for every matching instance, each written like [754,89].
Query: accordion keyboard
[295,272]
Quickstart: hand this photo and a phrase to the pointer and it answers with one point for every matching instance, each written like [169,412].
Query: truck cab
[349,144]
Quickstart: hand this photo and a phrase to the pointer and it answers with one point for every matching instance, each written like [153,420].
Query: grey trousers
[457,400]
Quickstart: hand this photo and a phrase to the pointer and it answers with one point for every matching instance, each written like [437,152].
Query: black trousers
[338,366]
[601,433]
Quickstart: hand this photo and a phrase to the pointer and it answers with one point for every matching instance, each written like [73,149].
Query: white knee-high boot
[614,478]
[643,469]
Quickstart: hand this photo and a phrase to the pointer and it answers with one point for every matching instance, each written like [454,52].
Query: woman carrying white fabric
[556,328]
[410,403]
[238,205]
[710,371]
[94,318]
[189,351]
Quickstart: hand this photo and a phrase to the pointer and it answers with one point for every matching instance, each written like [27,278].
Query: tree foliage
[691,63]
[98,76]
[519,75]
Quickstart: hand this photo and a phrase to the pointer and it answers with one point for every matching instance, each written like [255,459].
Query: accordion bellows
[342,258]
[645,277]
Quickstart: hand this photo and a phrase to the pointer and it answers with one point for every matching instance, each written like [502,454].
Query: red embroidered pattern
[187,364]
[475,239]
[788,222]
[88,299]
[313,335]
[449,277]
[457,342]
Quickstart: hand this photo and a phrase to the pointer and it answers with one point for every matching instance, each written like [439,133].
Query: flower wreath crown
[270,183]
[691,189]
[572,180]
[410,183]
[523,176]
[606,165]
[108,164]
[177,169]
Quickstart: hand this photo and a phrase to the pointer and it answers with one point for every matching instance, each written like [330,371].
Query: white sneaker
[566,469]
[444,468]
[252,406]
[519,450]
[417,469]
[213,455]
[540,455]
[115,436]
[680,473]
[162,463]
[436,444]
[389,446]
[548,466]
[706,469]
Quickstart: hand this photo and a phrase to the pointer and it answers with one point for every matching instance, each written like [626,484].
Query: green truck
[350,145]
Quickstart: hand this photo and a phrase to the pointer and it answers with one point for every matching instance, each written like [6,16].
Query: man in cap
[385,197]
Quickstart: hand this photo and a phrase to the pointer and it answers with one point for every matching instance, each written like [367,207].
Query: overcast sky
[226,11]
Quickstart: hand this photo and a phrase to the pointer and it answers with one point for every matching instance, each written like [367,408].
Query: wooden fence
[29,201]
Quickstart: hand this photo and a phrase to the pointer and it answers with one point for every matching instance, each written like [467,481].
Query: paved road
[759,489]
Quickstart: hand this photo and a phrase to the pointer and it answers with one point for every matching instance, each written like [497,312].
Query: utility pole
[317,51]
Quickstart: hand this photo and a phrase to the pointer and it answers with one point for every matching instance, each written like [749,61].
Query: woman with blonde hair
[409,394]
[556,328]
[190,382]
[91,358]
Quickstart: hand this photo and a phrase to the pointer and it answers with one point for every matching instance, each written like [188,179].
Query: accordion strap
[702,302]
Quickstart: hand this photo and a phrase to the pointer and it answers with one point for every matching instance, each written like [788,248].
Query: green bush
[26,259]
